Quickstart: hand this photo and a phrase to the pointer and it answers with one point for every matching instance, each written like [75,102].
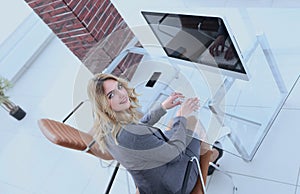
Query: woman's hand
[219,42]
[188,106]
[172,101]
[229,53]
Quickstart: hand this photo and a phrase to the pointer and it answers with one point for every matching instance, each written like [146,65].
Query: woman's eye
[111,95]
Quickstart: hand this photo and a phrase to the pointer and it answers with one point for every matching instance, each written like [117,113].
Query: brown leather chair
[204,164]
[64,135]
[67,136]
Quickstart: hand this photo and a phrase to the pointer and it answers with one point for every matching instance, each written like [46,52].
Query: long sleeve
[139,147]
[153,116]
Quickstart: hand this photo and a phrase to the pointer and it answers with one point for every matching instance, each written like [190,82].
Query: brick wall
[83,25]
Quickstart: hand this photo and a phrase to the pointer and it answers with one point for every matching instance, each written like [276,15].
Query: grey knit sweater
[156,161]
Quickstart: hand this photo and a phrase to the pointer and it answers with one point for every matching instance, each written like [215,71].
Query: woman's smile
[117,95]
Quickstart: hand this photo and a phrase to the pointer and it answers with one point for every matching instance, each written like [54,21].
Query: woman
[156,161]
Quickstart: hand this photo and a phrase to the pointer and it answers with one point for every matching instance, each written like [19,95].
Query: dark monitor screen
[204,40]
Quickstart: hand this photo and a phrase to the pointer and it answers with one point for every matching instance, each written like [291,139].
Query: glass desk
[240,118]
[236,112]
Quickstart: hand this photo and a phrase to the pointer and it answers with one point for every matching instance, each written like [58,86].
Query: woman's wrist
[179,114]
[163,106]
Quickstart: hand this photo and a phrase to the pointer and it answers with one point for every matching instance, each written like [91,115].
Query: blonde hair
[106,120]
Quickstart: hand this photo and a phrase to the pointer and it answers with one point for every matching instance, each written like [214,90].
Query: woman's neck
[124,117]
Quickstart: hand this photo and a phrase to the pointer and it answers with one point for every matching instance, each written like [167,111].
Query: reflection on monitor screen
[204,40]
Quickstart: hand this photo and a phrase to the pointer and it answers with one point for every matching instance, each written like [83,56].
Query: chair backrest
[70,137]
[204,164]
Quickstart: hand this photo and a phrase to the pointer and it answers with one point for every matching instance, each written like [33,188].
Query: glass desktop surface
[245,110]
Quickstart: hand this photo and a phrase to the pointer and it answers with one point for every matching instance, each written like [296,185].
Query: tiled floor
[30,164]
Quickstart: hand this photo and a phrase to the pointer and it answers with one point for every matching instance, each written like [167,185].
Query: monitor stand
[214,103]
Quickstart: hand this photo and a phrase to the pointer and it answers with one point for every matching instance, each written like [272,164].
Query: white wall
[12,14]
[24,36]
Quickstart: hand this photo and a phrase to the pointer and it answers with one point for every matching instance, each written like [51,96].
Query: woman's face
[116,95]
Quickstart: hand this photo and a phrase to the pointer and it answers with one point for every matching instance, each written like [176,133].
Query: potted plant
[13,109]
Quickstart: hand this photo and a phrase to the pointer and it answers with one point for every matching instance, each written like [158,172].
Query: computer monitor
[204,40]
